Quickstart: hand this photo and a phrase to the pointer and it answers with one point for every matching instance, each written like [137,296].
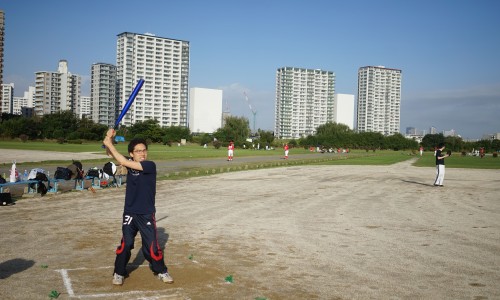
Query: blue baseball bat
[129,102]
[127,105]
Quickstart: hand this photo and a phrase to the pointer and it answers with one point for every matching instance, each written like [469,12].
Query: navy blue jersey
[439,161]
[141,190]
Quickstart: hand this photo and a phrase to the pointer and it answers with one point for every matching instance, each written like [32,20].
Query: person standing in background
[440,156]
[230,151]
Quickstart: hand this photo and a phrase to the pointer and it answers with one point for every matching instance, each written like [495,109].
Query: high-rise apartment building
[379,99]
[2,31]
[304,101]
[85,107]
[103,106]
[56,91]
[17,104]
[24,105]
[164,65]
[7,104]
[205,110]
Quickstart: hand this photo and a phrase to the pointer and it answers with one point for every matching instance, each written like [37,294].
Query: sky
[447,50]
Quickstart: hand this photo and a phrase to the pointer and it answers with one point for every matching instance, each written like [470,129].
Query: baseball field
[298,232]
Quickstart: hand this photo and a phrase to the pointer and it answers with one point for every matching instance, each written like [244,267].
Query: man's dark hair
[136,142]
[441,145]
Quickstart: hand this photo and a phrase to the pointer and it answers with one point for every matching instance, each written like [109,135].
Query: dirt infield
[303,232]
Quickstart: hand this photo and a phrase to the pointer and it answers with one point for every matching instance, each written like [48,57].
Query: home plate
[86,283]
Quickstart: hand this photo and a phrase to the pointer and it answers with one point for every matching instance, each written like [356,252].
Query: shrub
[495,154]
[292,143]
[464,153]
[166,141]
[24,138]
[216,144]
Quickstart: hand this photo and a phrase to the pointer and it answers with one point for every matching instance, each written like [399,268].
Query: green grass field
[458,161]
[371,158]
[155,151]
[159,152]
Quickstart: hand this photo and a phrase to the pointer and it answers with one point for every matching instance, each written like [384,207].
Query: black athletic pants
[146,225]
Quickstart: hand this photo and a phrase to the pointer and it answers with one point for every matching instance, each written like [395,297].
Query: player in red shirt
[286,151]
[230,151]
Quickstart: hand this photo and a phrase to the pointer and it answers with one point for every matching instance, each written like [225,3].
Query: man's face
[140,153]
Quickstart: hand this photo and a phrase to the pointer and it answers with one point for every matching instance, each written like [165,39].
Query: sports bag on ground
[34,172]
[62,173]
[94,172]
[109,168]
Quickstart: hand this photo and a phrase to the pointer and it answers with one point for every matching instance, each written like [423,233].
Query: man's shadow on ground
[416,182]
[13,266]
[139,258]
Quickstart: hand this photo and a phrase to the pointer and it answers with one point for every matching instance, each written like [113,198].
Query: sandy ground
[302,232]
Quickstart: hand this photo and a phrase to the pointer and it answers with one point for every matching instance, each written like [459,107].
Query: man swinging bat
[139,210]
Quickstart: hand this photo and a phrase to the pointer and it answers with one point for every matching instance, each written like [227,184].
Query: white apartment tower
[379,100]
[18,103]
[164,65]
[85,108]
[304,101]
[205,110]
[103,105]
[7,103]
[344,110]
[24,105]
[56,91]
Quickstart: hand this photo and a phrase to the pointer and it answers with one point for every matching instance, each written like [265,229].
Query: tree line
[64,126]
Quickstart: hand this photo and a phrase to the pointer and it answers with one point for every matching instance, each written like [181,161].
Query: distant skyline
[447,49]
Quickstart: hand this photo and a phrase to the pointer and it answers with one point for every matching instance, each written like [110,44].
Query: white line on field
[67,282]
[157,292]
[71,293]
